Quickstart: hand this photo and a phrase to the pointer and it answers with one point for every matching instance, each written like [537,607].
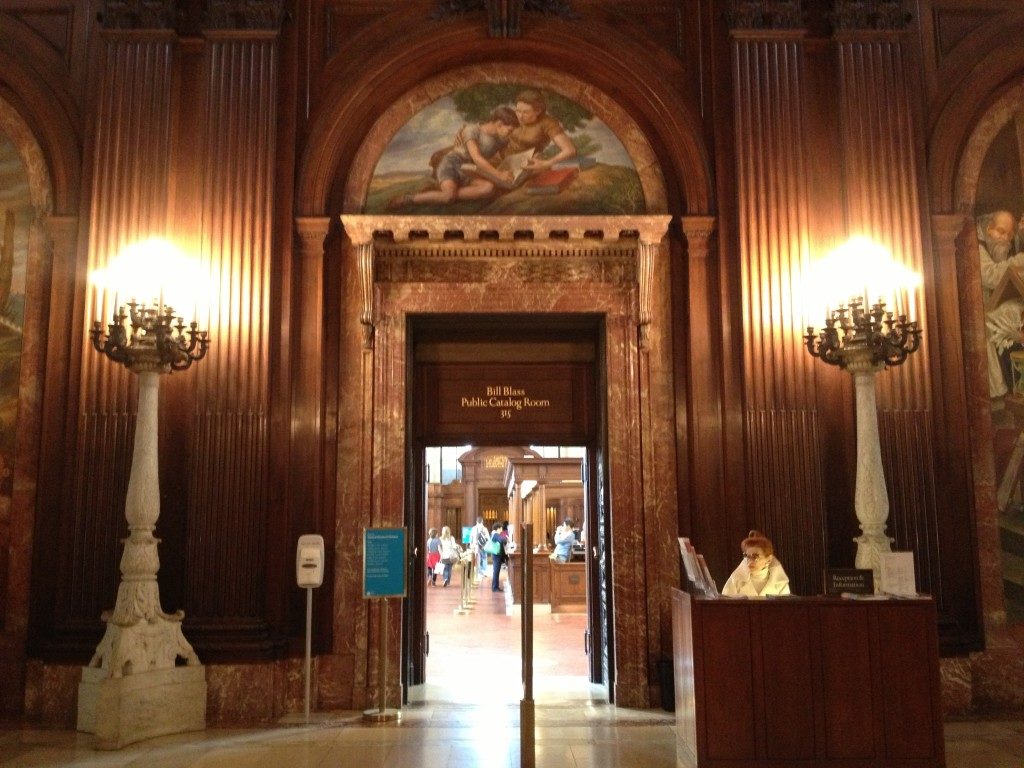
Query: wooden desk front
[541,577]
[807,681]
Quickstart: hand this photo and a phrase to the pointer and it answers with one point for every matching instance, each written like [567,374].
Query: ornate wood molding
[503,15]
[855,15]
[245,14]
[139,14]
[765,14]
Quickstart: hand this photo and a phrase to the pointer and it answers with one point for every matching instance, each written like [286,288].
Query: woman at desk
[759,574]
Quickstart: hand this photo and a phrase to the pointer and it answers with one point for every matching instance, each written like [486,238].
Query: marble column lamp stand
[132,688]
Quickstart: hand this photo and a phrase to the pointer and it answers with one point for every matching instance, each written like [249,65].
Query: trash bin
[667,683]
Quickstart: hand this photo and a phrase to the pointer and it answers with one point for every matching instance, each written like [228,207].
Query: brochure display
[696,569]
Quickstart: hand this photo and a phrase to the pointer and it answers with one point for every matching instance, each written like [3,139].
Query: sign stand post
[383,577]
[309,644]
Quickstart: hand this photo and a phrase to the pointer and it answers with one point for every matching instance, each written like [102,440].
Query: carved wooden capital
[860,15]
[698,231]
[312,231]
[139,14]
[946,227]
[765,14]
[245,14]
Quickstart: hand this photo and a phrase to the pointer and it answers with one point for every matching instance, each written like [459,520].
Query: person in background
[500,535]
[433,555]
[450,552]
[565,537]
[760,573]
[477,540]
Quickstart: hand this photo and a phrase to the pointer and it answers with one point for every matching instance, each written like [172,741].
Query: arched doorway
[388,268]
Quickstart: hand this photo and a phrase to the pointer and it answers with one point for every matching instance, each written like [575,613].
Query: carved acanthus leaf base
[144,646]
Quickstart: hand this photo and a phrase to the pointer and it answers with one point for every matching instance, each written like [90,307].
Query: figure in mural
[557,158]
[537,130]
[996,232]
[464,171]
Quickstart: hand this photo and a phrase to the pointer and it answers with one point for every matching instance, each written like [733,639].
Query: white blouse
[770,579]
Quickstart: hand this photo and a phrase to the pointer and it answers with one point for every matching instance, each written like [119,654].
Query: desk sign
[384,562]
[854,581]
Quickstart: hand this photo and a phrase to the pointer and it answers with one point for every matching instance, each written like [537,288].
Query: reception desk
[806,681]
[541,577]
[563,585]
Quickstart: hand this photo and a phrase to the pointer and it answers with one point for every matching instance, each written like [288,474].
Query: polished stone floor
[467,715]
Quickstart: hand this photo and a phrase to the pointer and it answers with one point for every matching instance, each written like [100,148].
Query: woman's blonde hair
[446,532]
[758,539]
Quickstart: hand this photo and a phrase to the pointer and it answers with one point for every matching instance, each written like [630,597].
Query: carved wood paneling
[228,461]
[784,486]
[343,20]
[785,475]
[129,193]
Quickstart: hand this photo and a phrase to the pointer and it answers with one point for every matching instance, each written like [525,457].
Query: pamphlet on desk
[897,574]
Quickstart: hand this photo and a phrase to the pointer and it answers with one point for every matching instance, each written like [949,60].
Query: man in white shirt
[478,538]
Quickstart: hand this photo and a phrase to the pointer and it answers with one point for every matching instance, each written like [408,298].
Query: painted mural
[16,214]
[999,213]
[504,148]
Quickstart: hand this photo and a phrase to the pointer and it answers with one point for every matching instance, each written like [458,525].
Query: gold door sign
[505,400]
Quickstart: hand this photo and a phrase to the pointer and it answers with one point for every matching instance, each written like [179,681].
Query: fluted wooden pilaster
[228,462]
[782,440]
[880,170]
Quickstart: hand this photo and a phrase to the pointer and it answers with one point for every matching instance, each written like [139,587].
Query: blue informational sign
[466,531]
[384,562]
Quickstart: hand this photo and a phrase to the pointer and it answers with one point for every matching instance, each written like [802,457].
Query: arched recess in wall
[357,93]
[606,114]
[983,65]
[26,202]
[33,80]
[990,180]
[38,111]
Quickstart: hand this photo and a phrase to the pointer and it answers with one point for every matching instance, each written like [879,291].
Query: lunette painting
[505,148]
[999,214]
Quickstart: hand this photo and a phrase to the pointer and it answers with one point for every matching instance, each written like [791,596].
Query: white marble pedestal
[123,710]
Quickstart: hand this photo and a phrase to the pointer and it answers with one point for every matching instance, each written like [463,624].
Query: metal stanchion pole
[463,606]
[527,755]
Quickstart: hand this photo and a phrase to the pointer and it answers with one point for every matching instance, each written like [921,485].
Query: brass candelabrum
[852,334]
[864,342]
[146,338]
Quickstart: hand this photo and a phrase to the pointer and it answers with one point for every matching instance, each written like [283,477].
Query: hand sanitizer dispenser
[309,561]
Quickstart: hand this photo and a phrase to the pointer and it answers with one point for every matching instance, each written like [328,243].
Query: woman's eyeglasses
[753,555]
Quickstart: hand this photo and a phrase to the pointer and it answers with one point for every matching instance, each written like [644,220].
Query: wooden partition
[806,681]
